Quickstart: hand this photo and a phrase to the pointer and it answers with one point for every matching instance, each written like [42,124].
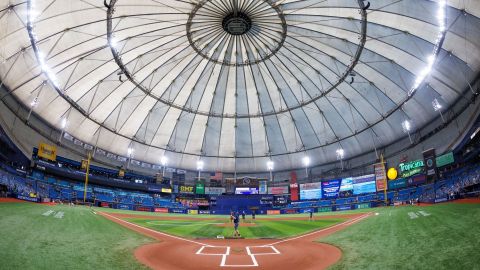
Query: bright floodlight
[164,160]
[406,126]
[199,165]
[306,161]
[340,153]
[112,42]
[270,165]
[64,122]
[130,151]
[34,102]
[436,105]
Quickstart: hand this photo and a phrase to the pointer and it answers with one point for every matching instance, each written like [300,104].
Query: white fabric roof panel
[238,85]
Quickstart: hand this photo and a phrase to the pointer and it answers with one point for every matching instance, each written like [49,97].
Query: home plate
[239,259]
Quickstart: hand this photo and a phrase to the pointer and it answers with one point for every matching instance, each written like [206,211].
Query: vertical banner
[293,186]
[380,176]
[199,188]
[429,159]
[230,185]
[262,186]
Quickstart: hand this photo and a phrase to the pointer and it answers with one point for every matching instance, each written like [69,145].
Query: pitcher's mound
[241,225]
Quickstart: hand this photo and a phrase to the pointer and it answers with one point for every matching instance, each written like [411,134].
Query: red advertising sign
[104,204]
[293,186]
[273,212]
[142,208]
[161,210]
[380,176]
[278,190]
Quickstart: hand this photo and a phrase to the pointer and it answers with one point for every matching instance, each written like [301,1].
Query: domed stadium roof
[236,83]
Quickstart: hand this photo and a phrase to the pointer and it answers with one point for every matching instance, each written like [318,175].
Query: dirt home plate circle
[176,253]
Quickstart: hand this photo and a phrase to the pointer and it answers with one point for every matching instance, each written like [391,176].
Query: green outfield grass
[79,240]
[448,238]
[210,229]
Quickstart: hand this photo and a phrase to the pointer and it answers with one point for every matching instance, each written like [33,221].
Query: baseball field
[444,236]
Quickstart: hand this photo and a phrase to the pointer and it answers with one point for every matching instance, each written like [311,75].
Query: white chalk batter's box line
[249,253]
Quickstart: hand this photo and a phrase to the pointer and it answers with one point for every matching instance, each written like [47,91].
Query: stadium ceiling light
[164,160]
[441,20]
[306,161]
[340,153]
[64,123]
[113,42]
[34,102]
[130,151]
[199,165]
[406,126]
[436,105]
[270,165]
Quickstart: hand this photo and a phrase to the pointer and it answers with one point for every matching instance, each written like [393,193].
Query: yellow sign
[192,212]
[166,190]
[47,151]
[392,174]
[84,164]
[121,173]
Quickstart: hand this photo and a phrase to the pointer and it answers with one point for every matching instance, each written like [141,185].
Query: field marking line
[275,251]
[199,252]
[252,257]
[348,222]
[153,231]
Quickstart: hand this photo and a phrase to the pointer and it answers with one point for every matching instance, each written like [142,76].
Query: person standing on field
[236,221]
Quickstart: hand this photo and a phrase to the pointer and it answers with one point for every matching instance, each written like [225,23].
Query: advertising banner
[161,210]
[380,176]
[364,184]
[399,183]
[262,185]
[185,189]
[417,180]
[200,188]
[363,205]
[343,208]
[47,151]
[445,159]
[293,186]
[324,209]
[273,212]
[204,212]
[192,212]
[408,169]
[330,188]
[214,190]
[246,190]
[429,158]
[311,191]
[166,190]
[278,190]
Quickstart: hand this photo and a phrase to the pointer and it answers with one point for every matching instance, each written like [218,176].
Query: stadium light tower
[406,126]
[199,168]
[164,161]
[340,155]
[306,163]
[270,168]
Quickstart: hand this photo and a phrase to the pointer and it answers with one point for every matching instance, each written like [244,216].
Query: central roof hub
[237,23]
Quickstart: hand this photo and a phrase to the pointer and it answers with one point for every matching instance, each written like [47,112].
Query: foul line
[350,221]
[249,253]
[150,230]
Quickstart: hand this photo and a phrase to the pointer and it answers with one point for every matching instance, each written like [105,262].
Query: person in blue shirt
[236,221]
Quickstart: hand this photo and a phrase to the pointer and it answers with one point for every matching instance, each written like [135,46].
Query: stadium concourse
[269,134]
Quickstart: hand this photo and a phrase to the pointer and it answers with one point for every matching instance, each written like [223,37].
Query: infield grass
[265,228]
